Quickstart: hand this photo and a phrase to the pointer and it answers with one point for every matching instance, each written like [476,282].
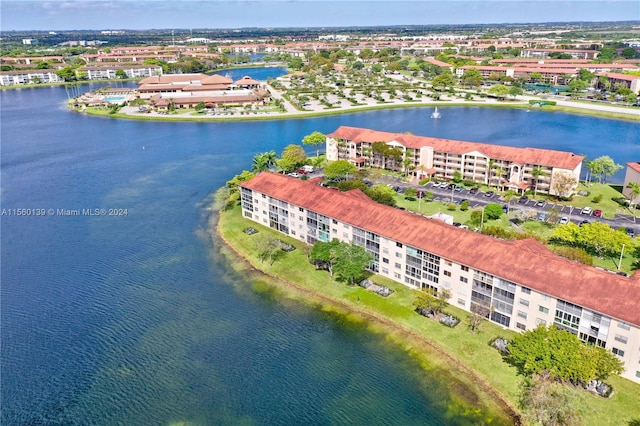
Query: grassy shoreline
[475,366]
[470,387]
[338,111]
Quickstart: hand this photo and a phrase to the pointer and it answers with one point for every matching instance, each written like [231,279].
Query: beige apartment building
[500,166]
[521,283]
[632,175]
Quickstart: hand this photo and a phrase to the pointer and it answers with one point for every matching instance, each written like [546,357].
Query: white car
[563,220]
[294,174]
[587,211]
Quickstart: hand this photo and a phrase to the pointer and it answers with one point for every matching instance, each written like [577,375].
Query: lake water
[136,319]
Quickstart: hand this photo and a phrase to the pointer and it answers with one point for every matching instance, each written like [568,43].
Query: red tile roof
[542,157]
[526,262]
[634,165]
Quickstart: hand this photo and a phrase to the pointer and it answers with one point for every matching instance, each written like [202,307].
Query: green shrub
[572,253]
[464,206]
[451,207]
[597,198]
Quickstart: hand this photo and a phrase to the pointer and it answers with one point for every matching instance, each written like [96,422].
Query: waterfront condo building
[557,172]
[517,284]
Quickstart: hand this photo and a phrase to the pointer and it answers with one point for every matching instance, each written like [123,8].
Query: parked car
[563,220]
[597,213]
[489,194]
[542,216]
[630,232]
[584,222]
[587,211]
[459,188]
[302,172]
[540,203]
[473,191]
[523,200]
[294,174]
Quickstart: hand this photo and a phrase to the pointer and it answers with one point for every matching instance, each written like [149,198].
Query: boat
[435,114]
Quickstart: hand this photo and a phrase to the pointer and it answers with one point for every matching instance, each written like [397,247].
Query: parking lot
[540,209]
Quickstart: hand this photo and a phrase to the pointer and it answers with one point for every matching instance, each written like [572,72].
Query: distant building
[503,166]
[8,78]
[109,71]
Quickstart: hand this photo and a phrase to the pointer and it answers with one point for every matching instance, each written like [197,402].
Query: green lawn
[466,358]
[608,193]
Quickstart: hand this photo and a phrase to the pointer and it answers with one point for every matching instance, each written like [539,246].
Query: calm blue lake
[136,319]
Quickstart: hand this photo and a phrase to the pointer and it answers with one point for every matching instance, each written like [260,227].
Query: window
[621,339]
[521,326]
[624,325]
[526,290]
[385,260]
[461,302]
[335,222]
[464,268]
[638,374]
[618,352]
[398,266]
[448,262]
[522,314]
[464,279]
[500,318]
[543,309]
[399,245]
[399,255]
[540,321]
[385,250]
[385,271]
[300,209]
[524,302]
[264,196]
[447,273]
[397,275]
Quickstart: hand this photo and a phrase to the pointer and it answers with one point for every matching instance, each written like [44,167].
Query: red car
[597,213]
[302,172]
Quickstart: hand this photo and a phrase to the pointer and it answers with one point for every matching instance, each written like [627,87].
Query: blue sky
[59,15]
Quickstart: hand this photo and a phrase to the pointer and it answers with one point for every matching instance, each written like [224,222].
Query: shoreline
[414,344]
[359,109]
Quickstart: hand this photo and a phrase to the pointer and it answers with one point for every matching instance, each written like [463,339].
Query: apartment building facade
[519,169]
[518,284]
[8,78]
[109,72]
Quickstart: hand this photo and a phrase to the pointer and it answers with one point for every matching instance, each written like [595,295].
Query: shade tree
[316,139]
[339,170]
[561,355]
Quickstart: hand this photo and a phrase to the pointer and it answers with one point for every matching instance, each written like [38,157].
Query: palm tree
[490,166]
[537,172]
[499,172]
[635,191]
[264,161]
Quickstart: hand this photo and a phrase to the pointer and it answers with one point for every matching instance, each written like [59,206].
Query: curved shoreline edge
[410,341]
[360,109]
